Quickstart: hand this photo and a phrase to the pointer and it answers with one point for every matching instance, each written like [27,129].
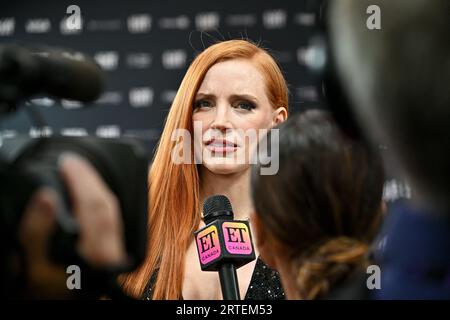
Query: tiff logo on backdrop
[108,131]
[39,25]
[139,60]
[241,20]
[139,23]
[7,26]
[174,59]
[180,22]
[207,21]
[108,60]
[74,132]
[71,104]
[274,19]
[141,97]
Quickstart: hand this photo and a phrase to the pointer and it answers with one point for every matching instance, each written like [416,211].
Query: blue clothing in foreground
[416,259]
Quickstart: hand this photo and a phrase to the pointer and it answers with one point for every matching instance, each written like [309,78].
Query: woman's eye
[246,105]
[202,104]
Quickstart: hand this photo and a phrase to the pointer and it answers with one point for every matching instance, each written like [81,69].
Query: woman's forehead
[233,76]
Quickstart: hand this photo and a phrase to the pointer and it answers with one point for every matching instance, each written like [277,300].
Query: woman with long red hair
[232,86]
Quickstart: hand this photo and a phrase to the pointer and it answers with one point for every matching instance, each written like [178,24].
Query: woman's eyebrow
[244,96]
[204,95]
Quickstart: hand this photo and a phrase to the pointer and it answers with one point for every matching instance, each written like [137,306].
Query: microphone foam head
[215,207]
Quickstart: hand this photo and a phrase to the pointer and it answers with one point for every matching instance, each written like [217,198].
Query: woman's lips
[221,146]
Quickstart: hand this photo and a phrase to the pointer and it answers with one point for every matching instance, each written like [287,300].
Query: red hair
[174,208]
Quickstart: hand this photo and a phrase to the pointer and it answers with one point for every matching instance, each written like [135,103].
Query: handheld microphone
[224,244]
[24,73]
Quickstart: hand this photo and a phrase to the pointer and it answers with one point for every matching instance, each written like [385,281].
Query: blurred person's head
[316,218]
[398,79]
[231,85]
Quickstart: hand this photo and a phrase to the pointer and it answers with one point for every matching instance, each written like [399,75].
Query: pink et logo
[208,245]
[237,238]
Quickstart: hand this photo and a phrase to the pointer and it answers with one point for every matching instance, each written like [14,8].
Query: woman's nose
[221,118]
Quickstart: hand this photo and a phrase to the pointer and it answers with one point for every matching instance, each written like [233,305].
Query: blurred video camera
[29,163]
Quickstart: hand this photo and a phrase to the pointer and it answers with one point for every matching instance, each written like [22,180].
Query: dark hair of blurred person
[316,218]
[398,79]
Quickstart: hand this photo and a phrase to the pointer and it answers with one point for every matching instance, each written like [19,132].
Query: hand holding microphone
[224,244]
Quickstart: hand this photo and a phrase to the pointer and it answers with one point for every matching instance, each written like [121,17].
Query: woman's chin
[226,168]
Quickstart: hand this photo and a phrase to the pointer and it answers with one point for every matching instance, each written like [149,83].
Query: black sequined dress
[264,285]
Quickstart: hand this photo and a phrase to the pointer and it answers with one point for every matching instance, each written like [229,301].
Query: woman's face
[230,107]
